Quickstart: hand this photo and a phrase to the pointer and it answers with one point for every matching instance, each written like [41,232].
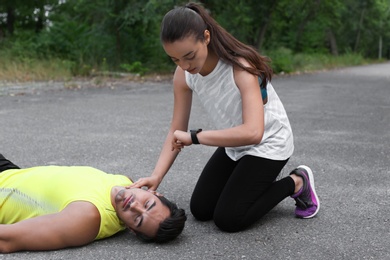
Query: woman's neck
[210,64]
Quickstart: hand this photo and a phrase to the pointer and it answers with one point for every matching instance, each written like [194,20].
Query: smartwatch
[194,138]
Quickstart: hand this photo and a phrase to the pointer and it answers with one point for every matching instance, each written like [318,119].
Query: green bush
[282,60]
[135,67]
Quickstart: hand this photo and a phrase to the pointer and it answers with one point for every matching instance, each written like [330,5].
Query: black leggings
[6,164]
[235,194]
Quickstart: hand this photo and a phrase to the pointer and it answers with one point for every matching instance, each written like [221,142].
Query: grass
[283,62]
[304,62]
[33,69]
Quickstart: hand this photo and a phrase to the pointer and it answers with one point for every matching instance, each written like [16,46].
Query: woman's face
[189,54]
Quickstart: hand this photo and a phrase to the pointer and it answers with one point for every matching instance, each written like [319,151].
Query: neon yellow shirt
[32,192]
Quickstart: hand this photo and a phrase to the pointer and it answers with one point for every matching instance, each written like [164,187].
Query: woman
[254,138]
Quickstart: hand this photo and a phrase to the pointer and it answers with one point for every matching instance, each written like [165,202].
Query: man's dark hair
[171,227]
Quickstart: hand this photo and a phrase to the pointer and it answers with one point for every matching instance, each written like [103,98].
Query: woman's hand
[181,139]
[151,183]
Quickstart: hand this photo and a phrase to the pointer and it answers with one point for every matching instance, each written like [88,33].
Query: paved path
[341,122]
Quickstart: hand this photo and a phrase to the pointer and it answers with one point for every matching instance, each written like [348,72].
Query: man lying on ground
[54,207]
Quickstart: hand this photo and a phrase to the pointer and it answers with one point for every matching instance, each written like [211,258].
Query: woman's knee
[227,222]
[199,211]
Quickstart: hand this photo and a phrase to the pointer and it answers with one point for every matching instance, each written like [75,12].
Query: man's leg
[6,164]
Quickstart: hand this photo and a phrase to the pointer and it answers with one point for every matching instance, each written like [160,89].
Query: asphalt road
[341,122]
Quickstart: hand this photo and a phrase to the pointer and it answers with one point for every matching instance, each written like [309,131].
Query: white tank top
[221,98]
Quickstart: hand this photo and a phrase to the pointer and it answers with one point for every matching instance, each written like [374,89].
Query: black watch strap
[194,138]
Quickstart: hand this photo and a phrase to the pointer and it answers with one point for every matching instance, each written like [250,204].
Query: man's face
[140,210]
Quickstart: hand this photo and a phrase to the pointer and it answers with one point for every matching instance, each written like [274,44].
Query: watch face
[196,130]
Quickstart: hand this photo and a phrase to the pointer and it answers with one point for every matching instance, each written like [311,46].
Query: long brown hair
[192,20]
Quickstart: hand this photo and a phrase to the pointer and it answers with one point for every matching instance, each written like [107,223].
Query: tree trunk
[118,26]
[118,45]
[263,29]
[332,43]
[10,20]
[311,14]
[40,20]
[359,30]
[260,38]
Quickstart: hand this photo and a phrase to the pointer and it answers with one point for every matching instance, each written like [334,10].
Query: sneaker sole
[311,179]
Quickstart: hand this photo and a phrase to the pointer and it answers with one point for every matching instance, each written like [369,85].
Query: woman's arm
[76,225]
[252,128]
[180,119]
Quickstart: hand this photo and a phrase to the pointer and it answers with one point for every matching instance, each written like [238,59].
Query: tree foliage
[118,34]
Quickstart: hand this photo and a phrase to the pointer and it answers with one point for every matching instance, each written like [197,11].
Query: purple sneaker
[306,198]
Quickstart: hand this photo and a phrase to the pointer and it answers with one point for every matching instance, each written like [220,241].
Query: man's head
[151,217]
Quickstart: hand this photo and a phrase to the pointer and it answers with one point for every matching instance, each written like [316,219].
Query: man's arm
[78,224]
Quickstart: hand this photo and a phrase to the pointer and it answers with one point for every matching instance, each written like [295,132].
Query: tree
[107,34]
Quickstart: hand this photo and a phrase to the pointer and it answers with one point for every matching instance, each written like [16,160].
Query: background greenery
[41,39]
